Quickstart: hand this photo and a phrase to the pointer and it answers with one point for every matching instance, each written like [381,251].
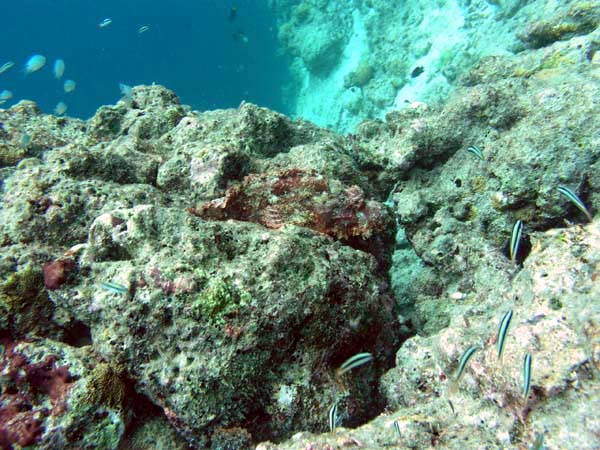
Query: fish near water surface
[69,86]
[59,68]
[34,63]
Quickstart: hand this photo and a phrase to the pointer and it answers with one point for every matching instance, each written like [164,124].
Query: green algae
[218,300]
[153,432]
[10,156]
[24,303]
[104,432]
[234,438]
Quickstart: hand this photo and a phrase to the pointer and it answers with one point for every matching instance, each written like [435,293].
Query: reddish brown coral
[309,200]
[56,273]
[18,427]
[49,380]
[27,384]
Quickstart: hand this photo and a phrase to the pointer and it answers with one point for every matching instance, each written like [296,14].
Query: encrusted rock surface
[296,197]
[555,317]
[534,116]
[58,396]
[218,317]
[226,323]
[199,277]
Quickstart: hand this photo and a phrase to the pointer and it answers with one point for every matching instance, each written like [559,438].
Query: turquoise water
[192,47]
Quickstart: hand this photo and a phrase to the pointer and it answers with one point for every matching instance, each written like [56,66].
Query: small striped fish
[354,361]
[476,151]
[574,198]
[464,360]
[115,288]
[526,375]
[502,331]
[333,417]
[515,240]
[397,428]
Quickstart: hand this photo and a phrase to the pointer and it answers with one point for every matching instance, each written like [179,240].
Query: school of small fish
[36,62]
[33,64]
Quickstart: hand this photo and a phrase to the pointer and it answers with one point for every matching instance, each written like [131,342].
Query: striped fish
[354,361]
[451,407]
[574,198]
[397,428]
[476,151]
[515,240]
[463,361]
[115,288]
[526,375]
[502,330]
[333,417]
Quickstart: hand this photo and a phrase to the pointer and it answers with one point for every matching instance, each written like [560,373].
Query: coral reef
[180,279]
[190,308]
[418,49]
[42,401]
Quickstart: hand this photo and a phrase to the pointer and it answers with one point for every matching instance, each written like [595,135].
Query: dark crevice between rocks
[357,408]
[144,412]
[77,334]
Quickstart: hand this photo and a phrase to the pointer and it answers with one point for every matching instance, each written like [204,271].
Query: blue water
[189,48]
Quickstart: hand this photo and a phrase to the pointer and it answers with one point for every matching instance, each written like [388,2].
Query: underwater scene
[204,50]
[300,225]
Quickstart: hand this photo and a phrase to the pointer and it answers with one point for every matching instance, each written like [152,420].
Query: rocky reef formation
[363,58]
[181,279]
[229,315]
[533,117]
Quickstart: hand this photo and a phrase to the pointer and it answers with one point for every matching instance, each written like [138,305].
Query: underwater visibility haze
[300,225]
[194,47]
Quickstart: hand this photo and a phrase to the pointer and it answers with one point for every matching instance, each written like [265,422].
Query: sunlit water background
[192,47]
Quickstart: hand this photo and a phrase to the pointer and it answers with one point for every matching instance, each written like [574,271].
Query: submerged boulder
[228,324]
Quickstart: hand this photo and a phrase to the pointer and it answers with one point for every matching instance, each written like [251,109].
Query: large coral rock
[234,328]
[228,323]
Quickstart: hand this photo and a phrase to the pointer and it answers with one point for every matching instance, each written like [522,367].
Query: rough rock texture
[232,328]
[555,318]
[566,21]
[221,265]
[308,34]
[57,396]
[296,197]
[394,53]
[537,130]
[207,307]
[534,116]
